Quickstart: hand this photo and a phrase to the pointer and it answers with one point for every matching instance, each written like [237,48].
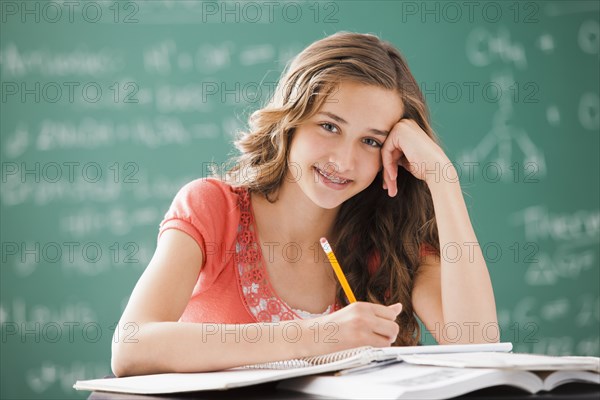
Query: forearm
[159,347]
[467,293]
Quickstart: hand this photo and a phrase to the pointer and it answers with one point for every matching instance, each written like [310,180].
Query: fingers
[386,326]
[387,312]
[396,308]
[389,184]
[388,332]
[377,310]
[385,156]
[389,161]
[393,167]
[376,321]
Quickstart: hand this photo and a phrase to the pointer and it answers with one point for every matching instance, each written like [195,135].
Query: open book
[261,373]
[441,376]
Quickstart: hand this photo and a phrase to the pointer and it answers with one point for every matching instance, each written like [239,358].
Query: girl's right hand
[358,324]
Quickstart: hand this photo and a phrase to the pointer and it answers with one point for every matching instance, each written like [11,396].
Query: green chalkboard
[108,108]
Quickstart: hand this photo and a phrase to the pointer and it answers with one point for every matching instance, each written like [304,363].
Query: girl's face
[337,153]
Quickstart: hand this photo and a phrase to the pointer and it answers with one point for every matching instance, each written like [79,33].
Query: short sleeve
[202,209]
[373,262]
[374,259]
[427,249]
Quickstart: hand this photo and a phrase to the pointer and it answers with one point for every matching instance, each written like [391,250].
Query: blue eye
[328,124]
[373,143]
[370,142]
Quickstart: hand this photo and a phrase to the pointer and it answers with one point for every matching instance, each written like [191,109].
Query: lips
[333,178]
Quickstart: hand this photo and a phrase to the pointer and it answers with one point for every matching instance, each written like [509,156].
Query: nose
[342,158]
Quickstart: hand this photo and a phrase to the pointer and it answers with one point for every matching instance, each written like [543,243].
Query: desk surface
[570,391]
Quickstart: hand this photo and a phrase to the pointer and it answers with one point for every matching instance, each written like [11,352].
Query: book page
[406,381]
[344,358]
[505,360]
[447,348]
[555,379]
[230,378]
[364,354]
[184,382]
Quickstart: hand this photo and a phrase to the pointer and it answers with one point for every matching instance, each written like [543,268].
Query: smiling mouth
[332,178]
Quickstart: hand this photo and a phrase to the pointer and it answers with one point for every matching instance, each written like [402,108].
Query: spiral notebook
[364,355]
[273,371]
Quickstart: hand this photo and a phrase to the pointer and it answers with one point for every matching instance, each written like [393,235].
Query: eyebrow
[344,122]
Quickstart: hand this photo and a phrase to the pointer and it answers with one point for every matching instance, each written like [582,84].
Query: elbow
[132,356]
[117,368]
[120,362]
[124,362]
[125,357]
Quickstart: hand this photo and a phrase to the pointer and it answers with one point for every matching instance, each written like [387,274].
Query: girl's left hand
[409,146]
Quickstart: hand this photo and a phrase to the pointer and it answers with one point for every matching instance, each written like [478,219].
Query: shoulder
[206,193]
[209,204]
[207,188]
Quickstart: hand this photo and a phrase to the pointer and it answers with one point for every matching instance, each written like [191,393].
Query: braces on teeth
[331,178]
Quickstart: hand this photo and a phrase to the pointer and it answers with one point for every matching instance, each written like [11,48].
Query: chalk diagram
[505,145]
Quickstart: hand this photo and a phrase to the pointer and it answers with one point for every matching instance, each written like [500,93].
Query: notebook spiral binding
[312,360]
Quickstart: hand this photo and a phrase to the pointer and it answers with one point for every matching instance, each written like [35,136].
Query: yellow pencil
[338,270]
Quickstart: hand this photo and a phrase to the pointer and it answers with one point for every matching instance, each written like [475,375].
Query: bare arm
[454,293]
[455,296]
[150,340]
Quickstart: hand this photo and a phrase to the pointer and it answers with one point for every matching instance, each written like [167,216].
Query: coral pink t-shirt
[233,286]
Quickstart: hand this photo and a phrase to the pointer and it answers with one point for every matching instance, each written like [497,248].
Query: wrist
[305,346]
[443,175]
[316,336]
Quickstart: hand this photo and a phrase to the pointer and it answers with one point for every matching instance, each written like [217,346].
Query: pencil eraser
[325,245]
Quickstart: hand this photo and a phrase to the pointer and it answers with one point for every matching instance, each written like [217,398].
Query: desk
[570,391]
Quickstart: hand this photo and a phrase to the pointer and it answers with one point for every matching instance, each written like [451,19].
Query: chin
[325,204]
[326,198]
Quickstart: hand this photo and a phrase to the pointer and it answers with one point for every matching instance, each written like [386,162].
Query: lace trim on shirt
[309,315]
[256,291]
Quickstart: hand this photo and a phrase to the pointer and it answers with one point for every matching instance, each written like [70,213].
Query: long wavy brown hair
[370,224]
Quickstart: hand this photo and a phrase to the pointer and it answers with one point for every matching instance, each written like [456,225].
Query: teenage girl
[343,150]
